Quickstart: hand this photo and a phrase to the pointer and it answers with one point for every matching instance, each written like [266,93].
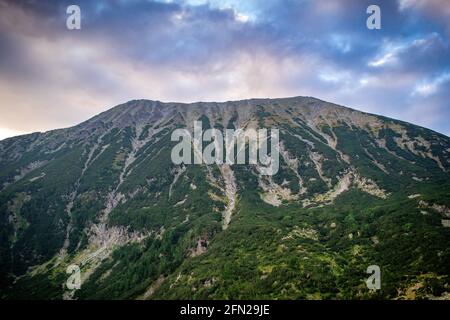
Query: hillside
[353,190]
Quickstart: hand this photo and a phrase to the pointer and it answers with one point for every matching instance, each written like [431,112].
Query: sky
[220,50]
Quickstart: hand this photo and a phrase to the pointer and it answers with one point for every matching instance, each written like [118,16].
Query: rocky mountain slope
[353,190]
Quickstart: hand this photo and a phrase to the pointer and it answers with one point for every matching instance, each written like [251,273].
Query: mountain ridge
[187,104]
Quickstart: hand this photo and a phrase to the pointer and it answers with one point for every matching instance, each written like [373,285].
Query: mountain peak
[107,191]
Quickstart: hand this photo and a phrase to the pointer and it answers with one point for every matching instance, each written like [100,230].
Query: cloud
[429,87]
[437,11]
[218,50]
[404,51]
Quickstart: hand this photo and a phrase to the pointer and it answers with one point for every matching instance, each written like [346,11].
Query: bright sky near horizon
[218,50]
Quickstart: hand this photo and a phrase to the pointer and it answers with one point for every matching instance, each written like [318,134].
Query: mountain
[353,190]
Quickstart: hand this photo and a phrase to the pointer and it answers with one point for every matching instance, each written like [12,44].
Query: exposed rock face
[442,209]
[108,184]
[202,246]
[302,233]
[230,192]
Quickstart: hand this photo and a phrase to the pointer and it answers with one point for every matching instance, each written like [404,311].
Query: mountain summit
[353,190]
